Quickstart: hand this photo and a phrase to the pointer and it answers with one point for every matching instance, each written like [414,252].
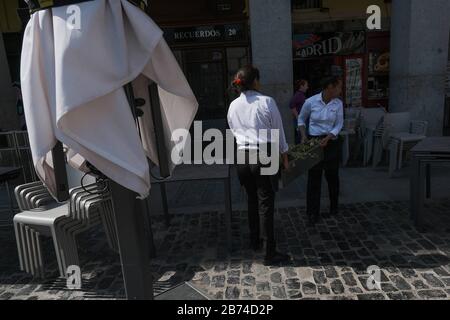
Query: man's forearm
[302,131]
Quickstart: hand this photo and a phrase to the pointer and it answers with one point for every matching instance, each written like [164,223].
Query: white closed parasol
[73,76]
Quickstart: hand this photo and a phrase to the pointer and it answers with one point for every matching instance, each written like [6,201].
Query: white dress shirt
[72,81]
[249,114]
[324,118]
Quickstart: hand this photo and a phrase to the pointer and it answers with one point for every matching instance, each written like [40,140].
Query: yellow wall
[9,20]
[340,10]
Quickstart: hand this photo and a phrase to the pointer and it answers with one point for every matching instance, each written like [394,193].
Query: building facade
[403,66]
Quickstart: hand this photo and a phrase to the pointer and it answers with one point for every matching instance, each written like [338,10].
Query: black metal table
[428,152]
[7,174]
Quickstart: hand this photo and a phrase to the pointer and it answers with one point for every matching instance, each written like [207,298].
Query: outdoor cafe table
[7,174]
[429,151]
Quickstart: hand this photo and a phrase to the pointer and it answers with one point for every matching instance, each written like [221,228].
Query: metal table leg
[421,196]
[133,244]
[228,212]
[11,207]
[165,204]
[413,190]
[428,180]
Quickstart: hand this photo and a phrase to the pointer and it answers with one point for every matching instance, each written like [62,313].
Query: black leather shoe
[276,258]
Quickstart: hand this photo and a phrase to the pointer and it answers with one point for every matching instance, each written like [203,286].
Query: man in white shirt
[247,116]
[325,113]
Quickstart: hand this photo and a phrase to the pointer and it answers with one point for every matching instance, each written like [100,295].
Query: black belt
[37,5]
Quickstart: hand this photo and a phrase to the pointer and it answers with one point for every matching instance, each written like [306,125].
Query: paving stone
[247,294]
[349,279]
[248,281]
[337,286]
[371,296]
[290,272]
[233,280]
[395,296]
[407,295]
[279,292]
[323,290]
[387,287]
[309,288]
[432,294]
[247,267]
[220,266]
[355,290]
[330,272]
[218,281]
[262,286]
[293,284]
[294,294]
[276,277]
[441,272]
[400,283]
[219,295]
[432,280]
[446,281]
[419,284]
[232,293]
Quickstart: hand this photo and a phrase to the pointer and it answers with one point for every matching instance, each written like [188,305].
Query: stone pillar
[271,36]
[8,114]
[419,53]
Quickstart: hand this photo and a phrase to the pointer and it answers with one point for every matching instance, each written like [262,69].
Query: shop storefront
[210,40]
[360,57]
[210,55]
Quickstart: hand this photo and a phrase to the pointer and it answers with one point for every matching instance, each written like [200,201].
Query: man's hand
[324,142]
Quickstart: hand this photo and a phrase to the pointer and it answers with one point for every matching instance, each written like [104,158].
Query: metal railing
[15,152]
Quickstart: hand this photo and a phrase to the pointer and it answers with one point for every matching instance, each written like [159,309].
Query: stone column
[271,36]
[419,53]
[8,114]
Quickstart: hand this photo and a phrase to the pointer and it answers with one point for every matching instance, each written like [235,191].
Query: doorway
[205,70]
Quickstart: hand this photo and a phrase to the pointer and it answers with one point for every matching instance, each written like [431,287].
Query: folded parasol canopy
[72,82]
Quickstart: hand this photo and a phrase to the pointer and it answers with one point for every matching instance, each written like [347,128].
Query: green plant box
[300,166]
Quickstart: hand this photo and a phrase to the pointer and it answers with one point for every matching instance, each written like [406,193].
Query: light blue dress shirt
[323,118]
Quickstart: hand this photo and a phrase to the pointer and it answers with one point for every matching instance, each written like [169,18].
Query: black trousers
[330,165]
[261,203]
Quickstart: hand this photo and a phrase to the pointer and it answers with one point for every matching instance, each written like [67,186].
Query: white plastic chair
[399,134]
[370,127]
[87,207]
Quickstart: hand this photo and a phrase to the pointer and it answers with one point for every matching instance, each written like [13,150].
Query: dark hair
[330,81]
[300,83]
[244,78]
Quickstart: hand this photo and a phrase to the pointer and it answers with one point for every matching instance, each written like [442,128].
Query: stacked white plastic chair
[400,134]
[42,216]
[370,127]
[351,123]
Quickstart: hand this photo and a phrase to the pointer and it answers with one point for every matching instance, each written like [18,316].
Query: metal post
[133,244]
[59,167]
[159,131]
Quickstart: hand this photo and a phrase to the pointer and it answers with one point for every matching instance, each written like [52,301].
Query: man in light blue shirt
[325,114]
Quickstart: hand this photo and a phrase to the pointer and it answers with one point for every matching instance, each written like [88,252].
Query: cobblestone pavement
[330,260]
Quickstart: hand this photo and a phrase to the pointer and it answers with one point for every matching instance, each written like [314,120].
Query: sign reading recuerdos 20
[206,34]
